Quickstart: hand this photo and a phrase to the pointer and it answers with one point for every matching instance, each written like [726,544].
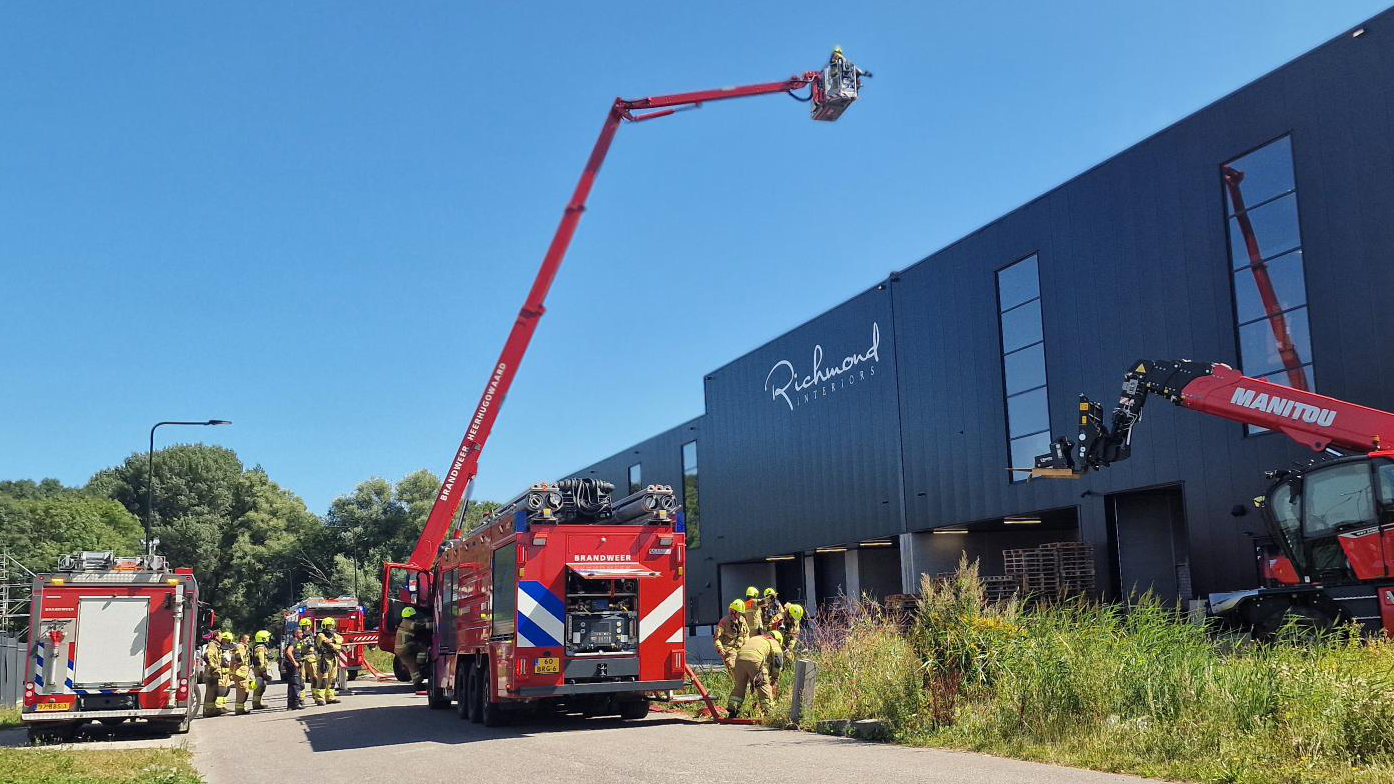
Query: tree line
[254,546]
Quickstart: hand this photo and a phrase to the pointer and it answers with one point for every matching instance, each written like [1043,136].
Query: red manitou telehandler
[110,639]
[567,603]
[1332,518]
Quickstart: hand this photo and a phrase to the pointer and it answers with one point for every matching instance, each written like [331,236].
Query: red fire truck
[560,600]
[348,617]
[111,639]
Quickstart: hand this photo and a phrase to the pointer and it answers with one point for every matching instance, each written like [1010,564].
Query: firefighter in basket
[261,666]
[755,660]
[309,662]
[328,644]
[731,633]
[408,647]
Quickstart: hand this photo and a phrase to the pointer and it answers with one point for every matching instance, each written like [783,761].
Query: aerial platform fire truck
[560,600]
[1333,517]
[590,608]
[110,639]
[349,620]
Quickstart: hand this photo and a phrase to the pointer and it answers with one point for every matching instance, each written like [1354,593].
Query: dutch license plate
[51,706]
[551,664]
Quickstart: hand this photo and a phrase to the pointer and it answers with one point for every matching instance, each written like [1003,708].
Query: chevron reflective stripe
[540,615]
[677,636]
[156,675]
[68,682]
[660,615]
[154,668]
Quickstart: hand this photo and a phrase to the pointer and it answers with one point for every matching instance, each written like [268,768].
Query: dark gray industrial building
[869,445]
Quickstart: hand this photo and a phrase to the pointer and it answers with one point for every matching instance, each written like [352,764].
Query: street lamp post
[150,477]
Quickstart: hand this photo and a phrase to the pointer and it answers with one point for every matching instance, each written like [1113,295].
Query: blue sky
[319,219]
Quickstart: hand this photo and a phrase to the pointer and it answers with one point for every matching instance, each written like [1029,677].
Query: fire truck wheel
[353,675]
[637,709]
[491,713]
[1307,622]
[436,697]
[463,693]
[476,697]
[58,732]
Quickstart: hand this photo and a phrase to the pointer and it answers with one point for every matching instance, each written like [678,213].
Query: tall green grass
[1135,689]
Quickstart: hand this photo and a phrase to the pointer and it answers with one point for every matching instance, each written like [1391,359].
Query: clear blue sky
[319,219]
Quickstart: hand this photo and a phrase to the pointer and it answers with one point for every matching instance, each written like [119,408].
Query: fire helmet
[795,611]
[769,592]
[779,638]
[408,612]
[225,636]
[327,623]
[737,605]
[306,623]
[262,636]
[752,592]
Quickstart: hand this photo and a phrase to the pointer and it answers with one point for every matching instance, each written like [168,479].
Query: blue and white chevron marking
[541,615]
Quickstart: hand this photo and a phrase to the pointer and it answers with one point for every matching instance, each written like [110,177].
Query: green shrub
[1126,688]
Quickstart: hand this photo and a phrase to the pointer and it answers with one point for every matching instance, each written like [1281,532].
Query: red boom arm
[1315,421]
[465,465]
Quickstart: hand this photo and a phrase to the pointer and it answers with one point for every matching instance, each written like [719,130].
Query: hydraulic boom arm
[832,90]
[1313,420]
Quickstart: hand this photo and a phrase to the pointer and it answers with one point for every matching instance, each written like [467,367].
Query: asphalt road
[382,732]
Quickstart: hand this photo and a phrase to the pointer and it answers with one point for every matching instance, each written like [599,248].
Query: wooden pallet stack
[1075,566]
[1055,568]
[1000,588]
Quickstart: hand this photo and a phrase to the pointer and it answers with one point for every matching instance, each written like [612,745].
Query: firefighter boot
[331,696]
[733,708]
[320,696]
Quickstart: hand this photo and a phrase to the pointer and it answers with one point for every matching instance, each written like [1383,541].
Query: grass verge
[1097,686]
[97,766]
[9,717]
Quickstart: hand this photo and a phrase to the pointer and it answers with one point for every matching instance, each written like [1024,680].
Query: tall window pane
[1023,363]
[1265,253]
[636,478]
[691,503]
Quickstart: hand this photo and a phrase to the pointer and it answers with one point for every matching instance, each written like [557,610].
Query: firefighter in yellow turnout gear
[214,677]
[731,634]
[408,646]
[328,643]
[754,661]
[770,608]
[261,666]
[309,662]
[240,672]
[752,610]
[790,621]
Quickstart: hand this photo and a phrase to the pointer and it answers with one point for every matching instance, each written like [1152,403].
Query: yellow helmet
[262,636]
[770,592]
[779,638]
[306,622]
[795,611]
[752,592]
[225,636]
[737,605]
[327,623]
[408,612]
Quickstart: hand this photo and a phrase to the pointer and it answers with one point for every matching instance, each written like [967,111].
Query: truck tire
[636,709]
[491,714]
[353,674]
[400,670]
[1307,621]
[476,696]
[463,693]
[436,698]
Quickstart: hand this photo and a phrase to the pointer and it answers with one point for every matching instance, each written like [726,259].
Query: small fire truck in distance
[348,617]
[561,600]
[110,639]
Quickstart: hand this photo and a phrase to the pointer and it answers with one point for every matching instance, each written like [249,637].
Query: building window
[1023,364]
[636,481]
[692,509]
[1265,254]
